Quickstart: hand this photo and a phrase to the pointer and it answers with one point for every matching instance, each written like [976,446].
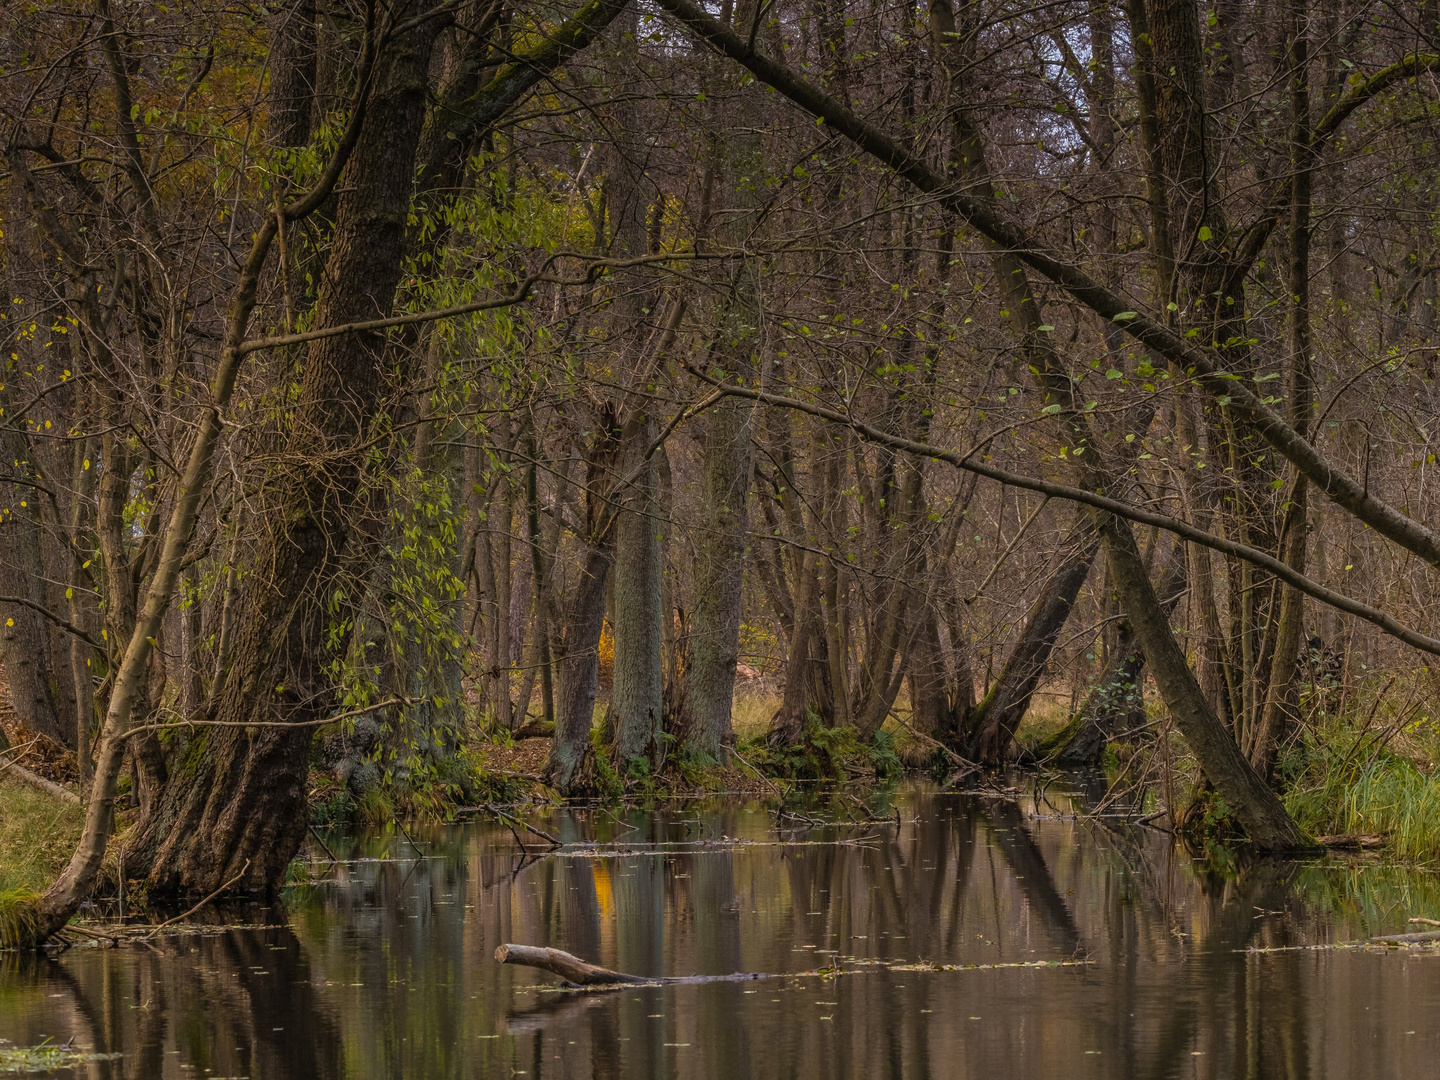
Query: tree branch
[1204,364]
[520,295]
[59,620]
[1175,525]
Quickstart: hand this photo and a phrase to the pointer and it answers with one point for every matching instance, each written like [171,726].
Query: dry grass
[1049,712]
[37,836]
[752,712]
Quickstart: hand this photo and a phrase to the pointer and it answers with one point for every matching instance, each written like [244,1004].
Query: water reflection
[385,970]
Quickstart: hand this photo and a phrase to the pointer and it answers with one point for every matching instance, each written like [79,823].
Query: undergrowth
[38,833]
[826,753]
[1339,782]
[458,780]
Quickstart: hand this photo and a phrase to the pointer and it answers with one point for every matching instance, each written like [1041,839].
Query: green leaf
[1125,316]
[1205,233]
[1049,410]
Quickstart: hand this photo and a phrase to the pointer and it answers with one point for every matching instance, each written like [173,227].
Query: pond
[1077,948]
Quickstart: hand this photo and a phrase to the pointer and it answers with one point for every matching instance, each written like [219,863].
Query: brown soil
[526,758]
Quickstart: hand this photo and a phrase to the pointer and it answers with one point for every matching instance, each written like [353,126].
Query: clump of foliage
[826,753]
[46,1057]
[19,924]
[608,782]
[1339,781]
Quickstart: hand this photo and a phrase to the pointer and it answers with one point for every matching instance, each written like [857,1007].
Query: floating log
[577,972]
[570,968]
[1422,937]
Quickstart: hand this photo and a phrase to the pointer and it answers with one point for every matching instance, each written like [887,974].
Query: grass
[1386,796]
[1048,714]
[751,714]
[1340,780]
[37,837]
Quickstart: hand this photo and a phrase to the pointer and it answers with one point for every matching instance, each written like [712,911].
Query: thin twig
[197,907]
[524,825]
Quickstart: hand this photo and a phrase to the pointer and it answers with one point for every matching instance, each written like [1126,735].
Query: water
[385,968]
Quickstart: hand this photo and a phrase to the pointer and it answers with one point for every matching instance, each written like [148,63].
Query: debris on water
[46,1057]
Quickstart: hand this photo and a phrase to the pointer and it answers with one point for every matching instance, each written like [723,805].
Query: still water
[384,967]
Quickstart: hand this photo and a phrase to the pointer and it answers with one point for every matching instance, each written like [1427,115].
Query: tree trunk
[568,766]
[636,701]
[714,637]
[1116,703]
[293,53]
[1254,805]
[236,804]
[994,720]
[41,689]
[1279,704]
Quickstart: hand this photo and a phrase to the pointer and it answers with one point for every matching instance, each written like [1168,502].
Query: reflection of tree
[1255,1008]
[1007,830]
[237,1003]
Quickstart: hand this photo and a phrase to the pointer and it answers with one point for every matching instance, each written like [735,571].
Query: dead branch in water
[569,967]
[577,973]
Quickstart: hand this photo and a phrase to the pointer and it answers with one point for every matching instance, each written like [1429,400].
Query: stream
[1076,947]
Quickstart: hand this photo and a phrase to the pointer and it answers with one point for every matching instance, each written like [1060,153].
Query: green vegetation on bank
[37,836]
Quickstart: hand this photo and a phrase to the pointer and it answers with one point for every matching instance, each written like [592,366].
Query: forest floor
[38,832]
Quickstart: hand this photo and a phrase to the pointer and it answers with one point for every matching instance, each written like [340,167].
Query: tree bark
[236,806]
[636,700]
[293,52]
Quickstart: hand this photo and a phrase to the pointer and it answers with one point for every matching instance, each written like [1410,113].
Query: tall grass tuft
[1336,790]
[19,918]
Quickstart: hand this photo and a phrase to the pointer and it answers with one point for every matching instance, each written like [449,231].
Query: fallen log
[570,968]
[1422,937]
[25,776]
[577,972]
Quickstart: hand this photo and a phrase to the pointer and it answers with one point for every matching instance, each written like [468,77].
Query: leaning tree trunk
[235,810]
[994,720]
[1255,806]
[1116,702]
